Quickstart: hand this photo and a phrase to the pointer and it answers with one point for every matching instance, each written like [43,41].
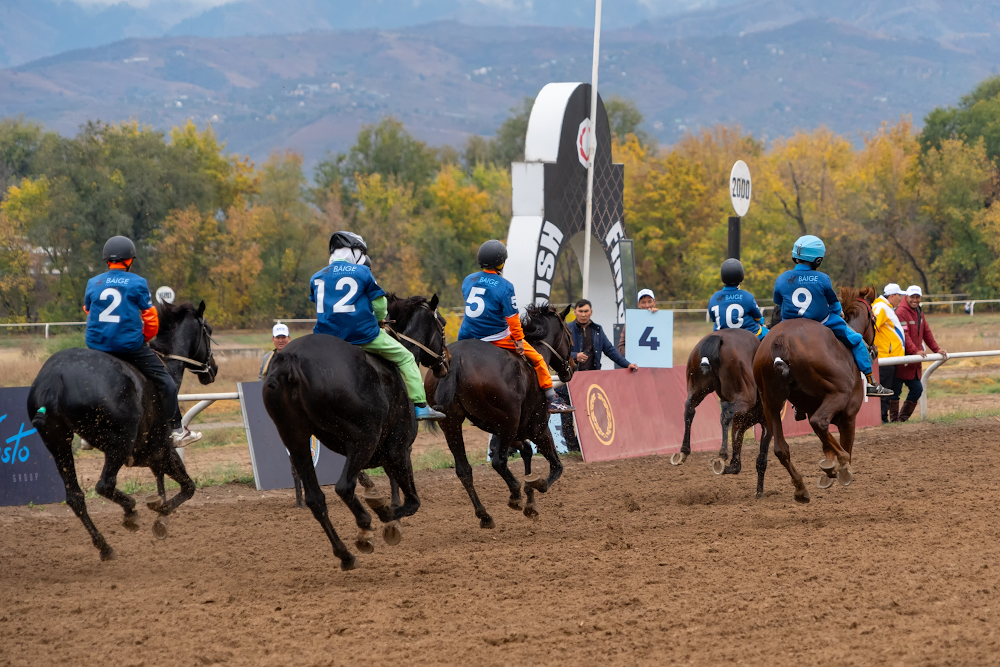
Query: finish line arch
[549,200]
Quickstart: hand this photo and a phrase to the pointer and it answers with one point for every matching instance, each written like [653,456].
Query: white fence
[937,360]
[45,324]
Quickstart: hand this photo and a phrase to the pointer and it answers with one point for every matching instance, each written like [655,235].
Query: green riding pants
[391,349]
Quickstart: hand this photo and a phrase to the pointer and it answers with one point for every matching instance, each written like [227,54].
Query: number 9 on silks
[649,338]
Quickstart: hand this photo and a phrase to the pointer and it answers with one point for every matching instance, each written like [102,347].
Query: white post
[593,152]
[46,329]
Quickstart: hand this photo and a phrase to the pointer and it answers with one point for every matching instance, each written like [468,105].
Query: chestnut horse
[722,362]
[801,361]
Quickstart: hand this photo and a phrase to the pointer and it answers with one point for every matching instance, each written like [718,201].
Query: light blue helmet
[809,248]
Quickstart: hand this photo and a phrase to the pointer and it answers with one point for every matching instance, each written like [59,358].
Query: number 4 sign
[649,338]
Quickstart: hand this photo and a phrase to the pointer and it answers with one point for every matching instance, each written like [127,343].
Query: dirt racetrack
[631,562]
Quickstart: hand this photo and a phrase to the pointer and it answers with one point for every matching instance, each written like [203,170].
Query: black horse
[419,320]
[117,410]
[498,392]
[356,404]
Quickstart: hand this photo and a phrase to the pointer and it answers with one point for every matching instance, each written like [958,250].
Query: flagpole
[592,152]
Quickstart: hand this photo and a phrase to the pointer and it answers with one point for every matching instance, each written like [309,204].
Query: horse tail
[286,369]
[47,397]
[779,348]
[710,351]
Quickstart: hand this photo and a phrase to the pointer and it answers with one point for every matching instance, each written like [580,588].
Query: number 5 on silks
[649,338]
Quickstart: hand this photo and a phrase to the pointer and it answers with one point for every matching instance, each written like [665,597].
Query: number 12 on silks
[649,338]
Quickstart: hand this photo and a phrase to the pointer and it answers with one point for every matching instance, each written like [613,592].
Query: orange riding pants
[535,359]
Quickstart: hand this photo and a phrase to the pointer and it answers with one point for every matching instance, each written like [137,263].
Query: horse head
[185,341]
[421,329]
[857,305]
[544,326]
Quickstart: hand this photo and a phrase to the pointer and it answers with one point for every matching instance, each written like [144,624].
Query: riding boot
[894,410]
[907,410]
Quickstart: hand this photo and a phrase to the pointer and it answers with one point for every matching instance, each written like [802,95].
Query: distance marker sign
[739,187]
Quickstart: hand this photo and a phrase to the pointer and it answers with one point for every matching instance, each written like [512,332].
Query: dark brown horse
[801,361]
[722,362]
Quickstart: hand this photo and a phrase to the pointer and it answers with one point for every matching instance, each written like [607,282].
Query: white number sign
[740,188]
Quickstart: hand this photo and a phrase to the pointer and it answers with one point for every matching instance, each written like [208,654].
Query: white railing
[203,401]
[45,324]
[937,360]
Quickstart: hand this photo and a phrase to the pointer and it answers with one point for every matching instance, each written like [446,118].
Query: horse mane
[851,297]
[170,314]
[533,322]
[401,310]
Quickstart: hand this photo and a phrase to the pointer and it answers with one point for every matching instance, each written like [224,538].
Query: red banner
[620,414]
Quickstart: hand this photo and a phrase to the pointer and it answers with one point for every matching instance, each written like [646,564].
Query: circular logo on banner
[314,447]
[739,187]
[602,419]
[583,142]
[165,294]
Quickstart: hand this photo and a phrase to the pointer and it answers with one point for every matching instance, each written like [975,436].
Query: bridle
[439,359]
[872,348]
[563,360]
[197,367]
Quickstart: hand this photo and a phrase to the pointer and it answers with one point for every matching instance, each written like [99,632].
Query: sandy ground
[631,562]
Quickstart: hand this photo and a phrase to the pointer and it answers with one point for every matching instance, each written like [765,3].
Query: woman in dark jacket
[917,332]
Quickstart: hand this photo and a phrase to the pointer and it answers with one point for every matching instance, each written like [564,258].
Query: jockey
[121,320]
[806,292]
[350,305]
[491,315]
[729,305]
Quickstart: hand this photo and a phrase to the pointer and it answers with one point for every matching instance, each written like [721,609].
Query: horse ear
[565,312]
[201,309]
[433,302]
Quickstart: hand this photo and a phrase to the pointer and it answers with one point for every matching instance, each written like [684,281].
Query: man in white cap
[279,336]
[646,302]
[916,333]
[889,340]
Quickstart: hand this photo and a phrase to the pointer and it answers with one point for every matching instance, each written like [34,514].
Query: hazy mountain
[311,92]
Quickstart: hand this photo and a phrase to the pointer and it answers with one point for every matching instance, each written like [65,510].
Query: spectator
[647,302]
[890,342]
[916,333]
[279,336]
[589,343]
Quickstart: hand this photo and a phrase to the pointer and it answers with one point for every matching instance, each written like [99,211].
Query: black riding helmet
[732,272]
[351,240]
[118,249]
[492,254]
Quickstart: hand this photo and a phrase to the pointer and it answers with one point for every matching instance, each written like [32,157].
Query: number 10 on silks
[649,338]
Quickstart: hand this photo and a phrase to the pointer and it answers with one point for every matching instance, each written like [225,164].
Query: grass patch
[958,415]
[975,384]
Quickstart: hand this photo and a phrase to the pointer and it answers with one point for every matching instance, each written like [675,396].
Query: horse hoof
[131,522]
[516,504]
[825,482]
[678,458]
[347,563]
[845,477]
[827,465]
[154,502]
[538,484]
[392,533]
[487,523]
[530,511]
[802,496]
[365,542]
[719,466]
[160,528]
[371,492]
[531,479]
[376,501]
[107,553]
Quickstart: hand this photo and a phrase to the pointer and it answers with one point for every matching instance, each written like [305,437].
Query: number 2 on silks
[646,341]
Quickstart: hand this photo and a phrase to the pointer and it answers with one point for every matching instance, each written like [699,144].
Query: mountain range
[770,65]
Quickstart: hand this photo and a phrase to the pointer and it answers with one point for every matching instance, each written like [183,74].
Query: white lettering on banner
[544,289]
[545,262]
[551,237]
[614,235]
[546,265]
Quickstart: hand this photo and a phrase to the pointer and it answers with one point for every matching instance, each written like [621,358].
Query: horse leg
[524,446]
[499,447]
[452,428]
[846,427]
[299,500]
[114,459]
[694,399]
[547,448]
[399,469]
[315,498]
[174,467]
[765,441]
[773,416]
[345,487]
[59,441]
[836,462]
[736,462]
[394,491]
[727,414]
[161,489]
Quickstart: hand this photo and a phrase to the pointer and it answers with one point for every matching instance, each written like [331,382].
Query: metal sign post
[591,153]
[739,194]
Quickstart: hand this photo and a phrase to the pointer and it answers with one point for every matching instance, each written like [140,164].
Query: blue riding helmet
[809,248]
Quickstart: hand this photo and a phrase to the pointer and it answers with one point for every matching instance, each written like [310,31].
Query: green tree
[976,117]
[625,118]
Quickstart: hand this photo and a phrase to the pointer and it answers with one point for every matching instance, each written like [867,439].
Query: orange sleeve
[150,324]
[514,322]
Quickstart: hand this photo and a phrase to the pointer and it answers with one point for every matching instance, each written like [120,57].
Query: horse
[801,361]
[117,410]
[498,392]
[722,362]
[419,320]
[356,405]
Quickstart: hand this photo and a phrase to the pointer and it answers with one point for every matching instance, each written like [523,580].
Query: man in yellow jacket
[890,343]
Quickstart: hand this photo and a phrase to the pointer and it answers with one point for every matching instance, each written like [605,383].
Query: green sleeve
[381,308]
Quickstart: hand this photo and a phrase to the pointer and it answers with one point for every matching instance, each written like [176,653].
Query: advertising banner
[272,468]
[649,338]
[28,474]
[620,414]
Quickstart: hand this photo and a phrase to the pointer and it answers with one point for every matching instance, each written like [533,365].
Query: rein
[200,367]
[402,337]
